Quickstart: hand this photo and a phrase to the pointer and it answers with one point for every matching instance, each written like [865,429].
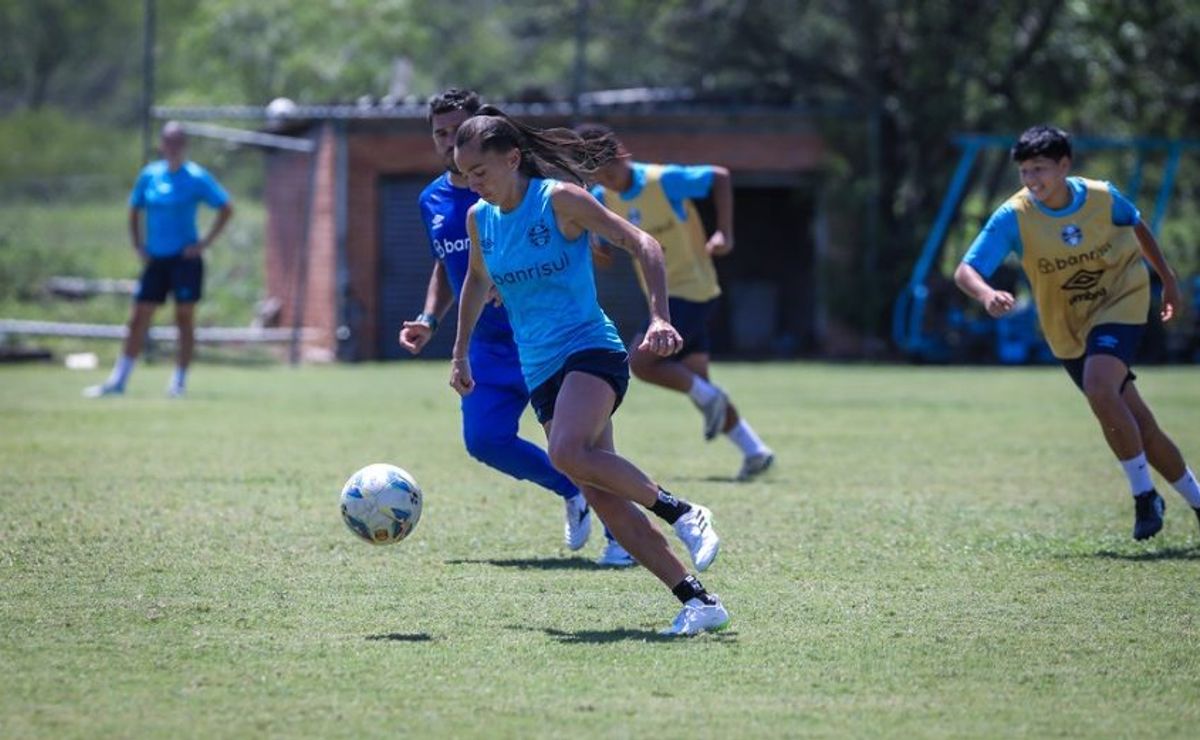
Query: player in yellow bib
[1081,244]
[658,198]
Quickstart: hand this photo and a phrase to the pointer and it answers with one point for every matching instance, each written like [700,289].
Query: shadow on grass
[1167,553]
[575,563]
[602,637]
[401,637]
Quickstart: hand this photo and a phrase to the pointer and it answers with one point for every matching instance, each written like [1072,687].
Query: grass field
[940,552]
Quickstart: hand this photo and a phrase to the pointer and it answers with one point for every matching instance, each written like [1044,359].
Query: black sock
[691,588]
[668,508]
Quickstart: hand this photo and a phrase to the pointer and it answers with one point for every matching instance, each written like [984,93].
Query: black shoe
[1148,511]
[1197,510]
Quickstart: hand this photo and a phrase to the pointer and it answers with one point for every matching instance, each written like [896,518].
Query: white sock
[1188,488]
[121,370]
[179,379]
[701,391]
[746,440]
[1138,472]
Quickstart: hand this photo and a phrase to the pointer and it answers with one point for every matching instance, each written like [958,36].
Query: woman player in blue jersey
[529,239]
[491,415]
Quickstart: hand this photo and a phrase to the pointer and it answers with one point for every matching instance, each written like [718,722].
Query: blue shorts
[183,277]
[690,319]
[1119,340]
[610,365]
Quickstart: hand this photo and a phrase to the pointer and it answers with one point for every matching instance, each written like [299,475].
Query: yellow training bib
[1083,269]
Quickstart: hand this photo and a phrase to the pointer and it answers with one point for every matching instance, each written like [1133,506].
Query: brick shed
[346,252]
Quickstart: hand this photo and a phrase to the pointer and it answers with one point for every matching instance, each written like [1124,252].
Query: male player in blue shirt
[168,190]
[491,414]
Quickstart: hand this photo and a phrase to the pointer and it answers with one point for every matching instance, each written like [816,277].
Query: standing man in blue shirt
[490,415]
[171,252]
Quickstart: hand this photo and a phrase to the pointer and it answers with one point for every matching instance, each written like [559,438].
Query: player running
[171,252]
[658,198]
[491,415]
[1081,244]
[529,240]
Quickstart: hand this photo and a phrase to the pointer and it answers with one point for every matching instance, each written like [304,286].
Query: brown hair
[553,152]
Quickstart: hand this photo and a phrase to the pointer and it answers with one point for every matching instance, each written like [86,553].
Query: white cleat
[715,412]
[578,525]
[615,556]
[755,464]
[175,391]
[695,530]
[697,617]
[104,389]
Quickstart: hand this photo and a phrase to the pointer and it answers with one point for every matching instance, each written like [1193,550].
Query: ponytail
[553,152]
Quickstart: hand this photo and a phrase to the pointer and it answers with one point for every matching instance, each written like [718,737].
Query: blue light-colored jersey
[679,182]
[444,212]
[546,282]
[1001,234]
[170,200]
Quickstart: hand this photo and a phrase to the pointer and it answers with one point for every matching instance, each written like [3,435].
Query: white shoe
[715,412]
[695,530]
[755,464]
[578,522]
[697,617]
[175,391]
[615,556]
[104,389]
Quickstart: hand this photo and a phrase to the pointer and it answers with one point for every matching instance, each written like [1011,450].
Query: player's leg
[491,417]
[1104,375]
[1161,451]
[701,610]
[756,456]
[584,402]
[187,284]
[152,291]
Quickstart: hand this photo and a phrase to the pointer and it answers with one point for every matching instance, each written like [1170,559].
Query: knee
[567,456]
[485,446]
[1100,394]
[641,364]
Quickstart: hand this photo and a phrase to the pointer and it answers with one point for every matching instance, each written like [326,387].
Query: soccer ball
[381,504]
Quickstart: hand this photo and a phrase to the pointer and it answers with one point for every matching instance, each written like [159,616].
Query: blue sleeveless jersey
[444,212]
[546,282]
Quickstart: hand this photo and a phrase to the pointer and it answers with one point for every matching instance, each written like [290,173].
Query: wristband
[427,319]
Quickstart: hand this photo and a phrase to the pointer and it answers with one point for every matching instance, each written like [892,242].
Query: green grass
[940,552]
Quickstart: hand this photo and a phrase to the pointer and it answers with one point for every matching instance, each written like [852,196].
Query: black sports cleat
[1148,511]
[1197,510]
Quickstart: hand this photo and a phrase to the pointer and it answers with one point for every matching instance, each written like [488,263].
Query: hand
[460,376]
[414,335]
[662,339]
[493,297]
[1171,298]
[999,303]
[718,245]
[192,251]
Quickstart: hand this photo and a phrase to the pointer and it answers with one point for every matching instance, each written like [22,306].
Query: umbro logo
[1083,280]
[1107,341]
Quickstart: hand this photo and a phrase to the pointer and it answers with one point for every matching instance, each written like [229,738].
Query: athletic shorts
[610,365]
[1119,340]
[690,319]
[182,277]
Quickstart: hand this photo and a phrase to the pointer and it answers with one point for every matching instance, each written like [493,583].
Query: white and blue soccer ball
[381,504]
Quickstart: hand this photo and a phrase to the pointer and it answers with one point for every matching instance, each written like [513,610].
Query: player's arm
[1171,297]
[574,205]
[224,213]
[135,233]
[721,241]
[471,300]
[996,302]
[415,334]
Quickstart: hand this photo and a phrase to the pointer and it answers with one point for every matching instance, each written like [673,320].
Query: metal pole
[579,78]
[148,23]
